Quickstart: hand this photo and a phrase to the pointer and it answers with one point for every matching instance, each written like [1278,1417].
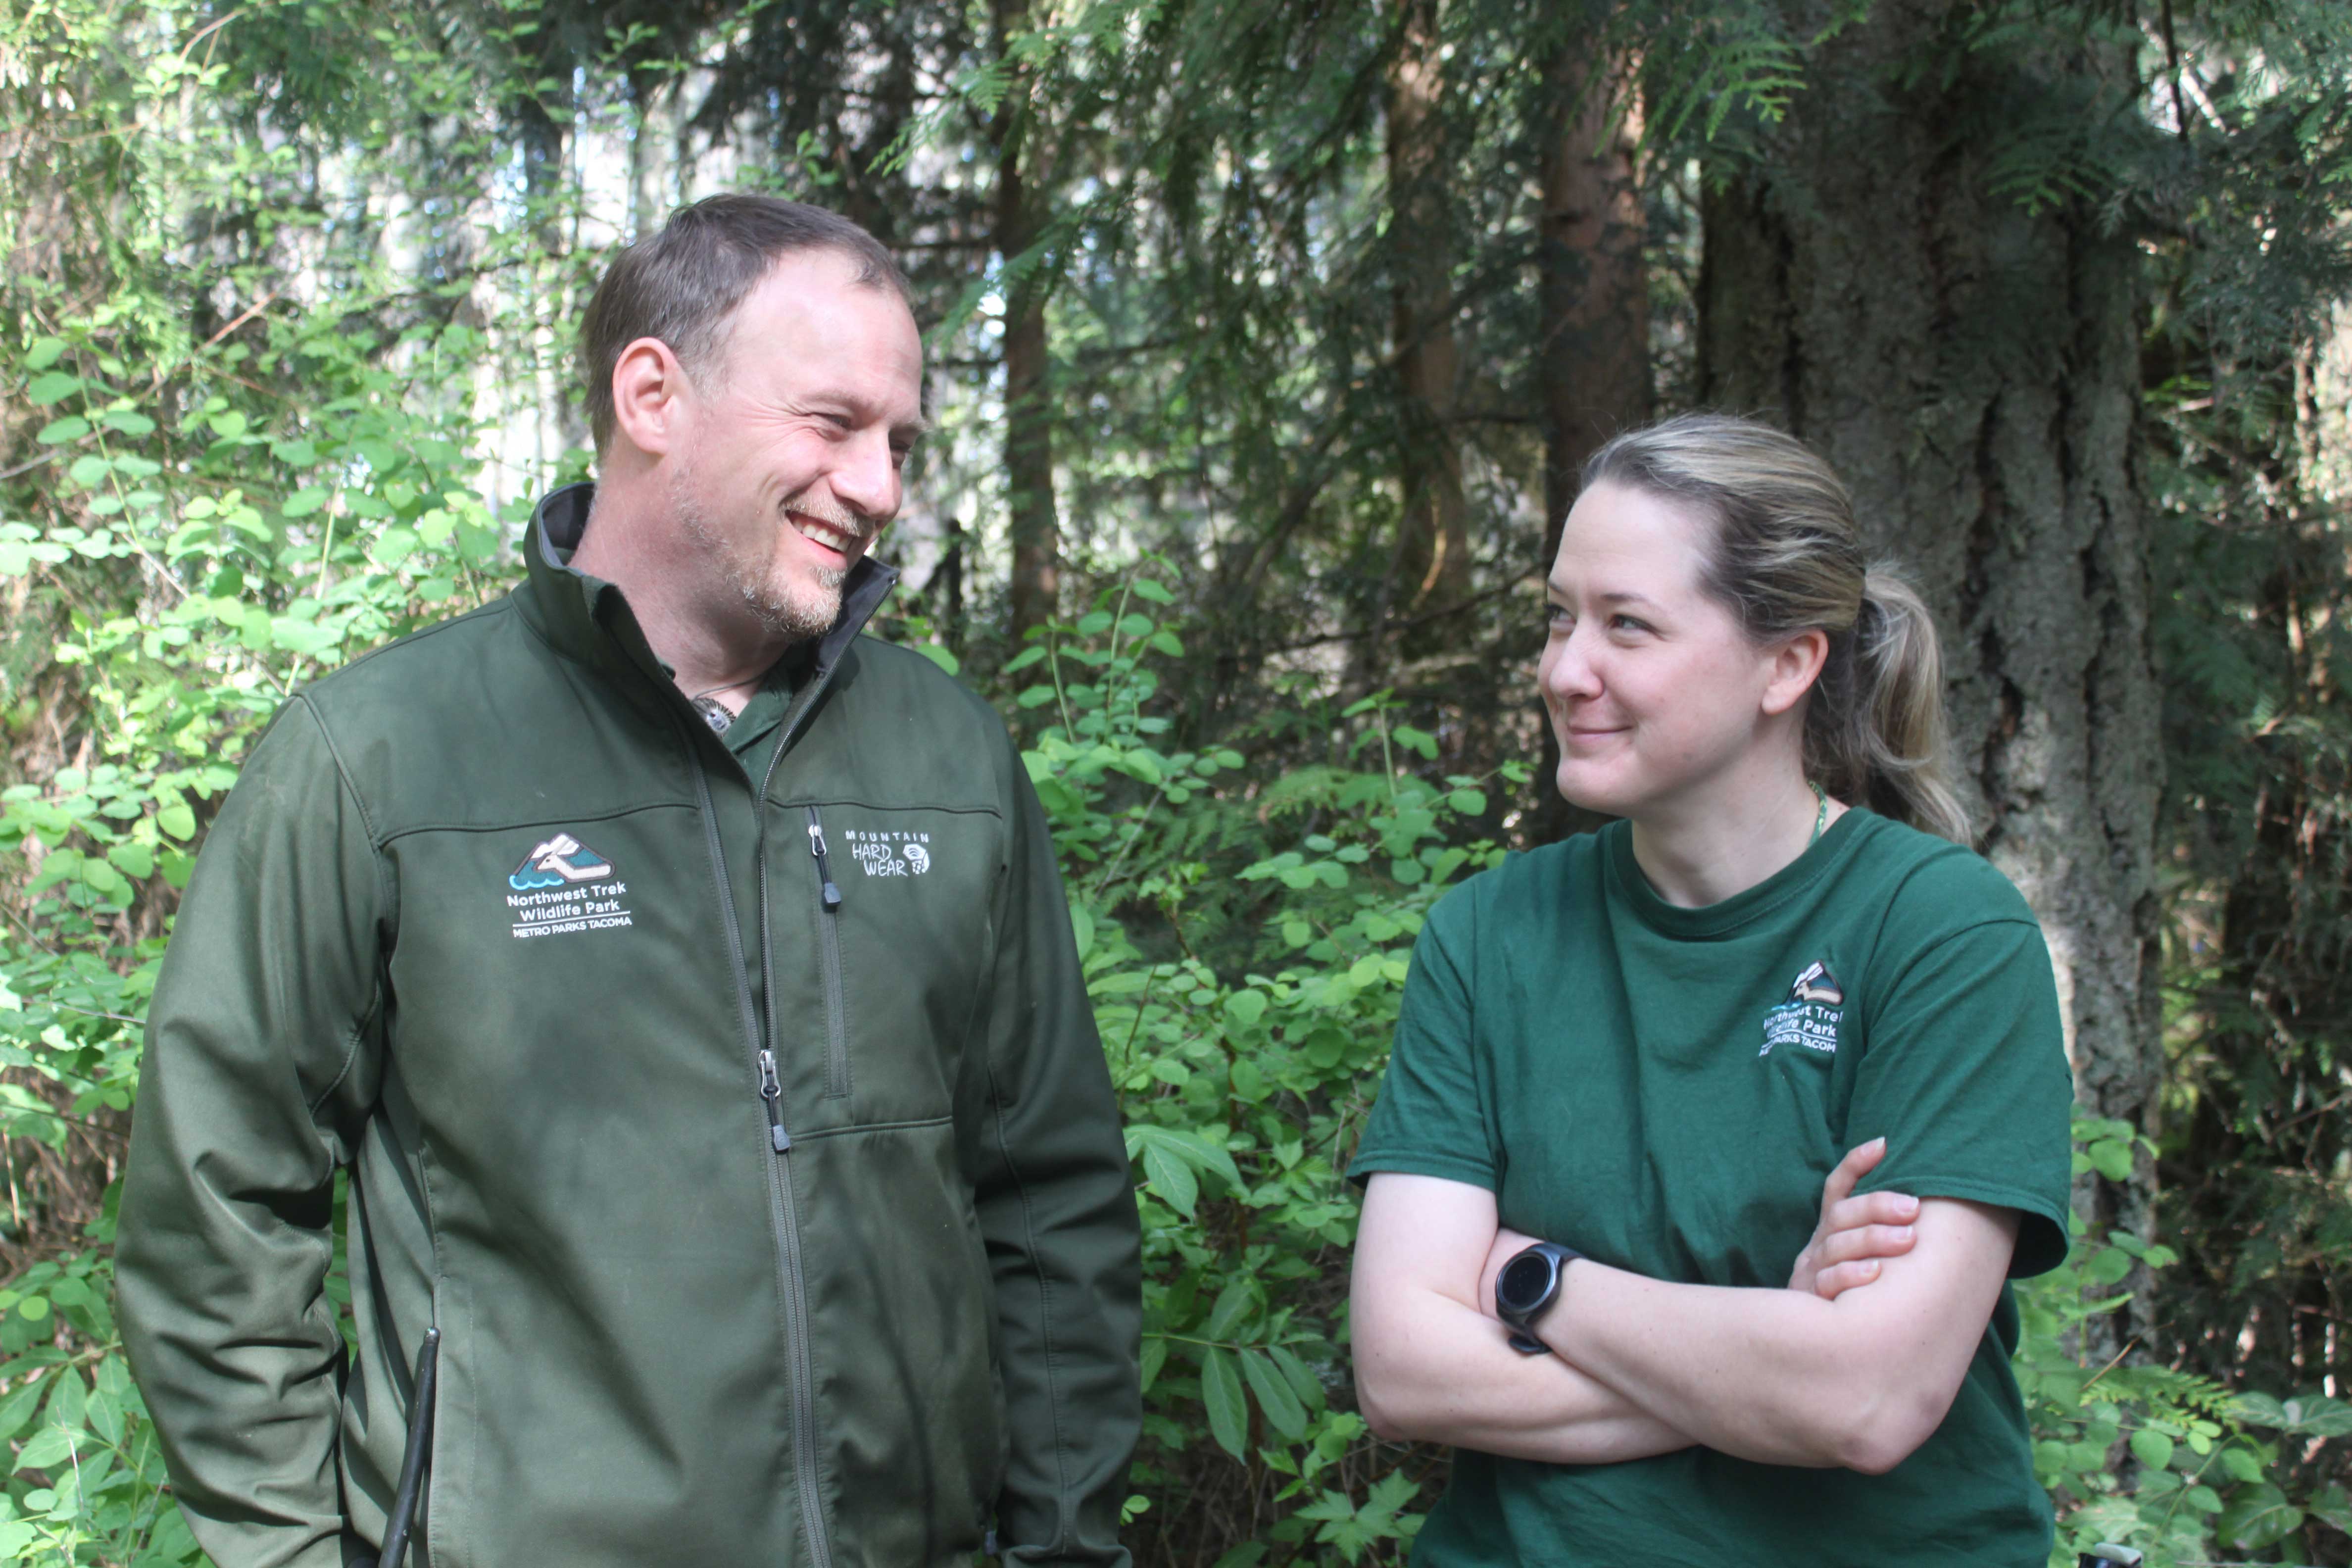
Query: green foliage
[2150,1456]
[1243,1082]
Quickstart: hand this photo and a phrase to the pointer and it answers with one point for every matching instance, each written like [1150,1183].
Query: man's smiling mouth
[842,538]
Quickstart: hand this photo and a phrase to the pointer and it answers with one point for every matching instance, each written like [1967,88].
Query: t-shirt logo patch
[563,886]
[889,853]
[1809,1017]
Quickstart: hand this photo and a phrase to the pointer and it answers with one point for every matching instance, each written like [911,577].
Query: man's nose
[866,479]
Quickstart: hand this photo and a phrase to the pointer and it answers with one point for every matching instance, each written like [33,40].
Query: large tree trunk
[1593,293]
[1971,371]
[1028,414]
[1431,565]
[1594,290]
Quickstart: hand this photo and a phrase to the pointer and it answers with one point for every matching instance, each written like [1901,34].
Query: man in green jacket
[686,987]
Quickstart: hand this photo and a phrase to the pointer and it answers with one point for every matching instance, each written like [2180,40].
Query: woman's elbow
[1377,1402]
[1887,1426]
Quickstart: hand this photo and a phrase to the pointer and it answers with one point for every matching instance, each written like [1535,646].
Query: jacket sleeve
[1056,1207]
[261,1046]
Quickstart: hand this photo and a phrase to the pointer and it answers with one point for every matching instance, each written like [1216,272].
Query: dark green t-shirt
[1665,1088]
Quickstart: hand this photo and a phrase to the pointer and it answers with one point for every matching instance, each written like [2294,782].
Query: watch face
[1524,1281]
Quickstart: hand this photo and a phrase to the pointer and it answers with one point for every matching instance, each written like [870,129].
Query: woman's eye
[1627,624]
[1557,616]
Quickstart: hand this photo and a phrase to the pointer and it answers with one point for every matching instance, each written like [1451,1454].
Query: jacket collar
[590,620]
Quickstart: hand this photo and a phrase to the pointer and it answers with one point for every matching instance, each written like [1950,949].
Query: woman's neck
[1703,851]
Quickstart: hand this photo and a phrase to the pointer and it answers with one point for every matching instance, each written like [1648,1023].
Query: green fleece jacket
[747,1136]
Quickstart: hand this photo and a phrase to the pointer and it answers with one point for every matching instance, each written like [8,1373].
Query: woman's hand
[1854,1233]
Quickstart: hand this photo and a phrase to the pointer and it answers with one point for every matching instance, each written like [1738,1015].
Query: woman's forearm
[1782,1376]
[1435,1370]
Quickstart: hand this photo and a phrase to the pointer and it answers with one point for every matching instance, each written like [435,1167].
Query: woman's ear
[648,384]
[1796,664]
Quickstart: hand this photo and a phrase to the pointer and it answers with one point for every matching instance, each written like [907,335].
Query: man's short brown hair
[683,284]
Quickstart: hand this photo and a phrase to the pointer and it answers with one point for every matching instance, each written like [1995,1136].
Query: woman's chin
[1579,786]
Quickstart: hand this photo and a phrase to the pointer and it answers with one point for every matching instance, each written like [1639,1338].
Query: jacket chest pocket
[898,902]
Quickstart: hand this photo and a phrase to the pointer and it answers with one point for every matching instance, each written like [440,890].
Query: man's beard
[797,609]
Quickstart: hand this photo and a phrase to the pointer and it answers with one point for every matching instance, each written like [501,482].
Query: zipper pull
[823,869]
[773,1093]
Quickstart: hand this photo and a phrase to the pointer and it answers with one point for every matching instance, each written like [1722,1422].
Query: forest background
[1266,339]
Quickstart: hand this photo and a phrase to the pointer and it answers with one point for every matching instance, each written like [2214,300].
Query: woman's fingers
[1831,1283]
[1871,1209]
[1856,1164]
[1860,1243]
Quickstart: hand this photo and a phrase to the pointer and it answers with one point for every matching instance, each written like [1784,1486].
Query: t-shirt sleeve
[1429,1119]
[1964,1074]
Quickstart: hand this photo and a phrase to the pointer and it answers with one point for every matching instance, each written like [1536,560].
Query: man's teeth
[825,534]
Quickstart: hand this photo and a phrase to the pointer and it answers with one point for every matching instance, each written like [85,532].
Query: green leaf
[2153,1449]
[1299,1376]
[1166,642]
[1282,1408]
[68,1398]
[305,501]
[1082,927]
[1152,593]
[48,1447]
[16,1409]
[1221,1391]
[1469,802]
[1024,659]
[1172,1179]
[57,432]
[177,820]
[2335,1506]
[131,423]
[940,656]
[104,1414]
[1134,626]
[2112,1158]
[47,389]
[44,352]
[2257,1517]
[1247,1008]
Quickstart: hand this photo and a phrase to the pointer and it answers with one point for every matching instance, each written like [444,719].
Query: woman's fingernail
[1902,1233]
[1906,1204]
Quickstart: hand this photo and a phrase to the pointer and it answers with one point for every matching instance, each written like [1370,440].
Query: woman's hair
[1787,558]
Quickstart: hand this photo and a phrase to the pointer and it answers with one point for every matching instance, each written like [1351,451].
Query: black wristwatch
[1526,1288]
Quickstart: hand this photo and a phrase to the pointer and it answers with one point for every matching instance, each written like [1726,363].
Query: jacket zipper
[783,1210]
[837,1023]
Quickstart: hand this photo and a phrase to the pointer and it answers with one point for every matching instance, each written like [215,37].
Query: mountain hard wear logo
[1811,1015]
[889,853]
[561,886]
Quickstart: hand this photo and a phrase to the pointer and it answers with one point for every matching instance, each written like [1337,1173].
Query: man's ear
[1796,665]
[649,390]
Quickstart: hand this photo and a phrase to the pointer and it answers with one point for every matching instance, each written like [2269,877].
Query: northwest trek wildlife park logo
[562,887]
[1811,1015]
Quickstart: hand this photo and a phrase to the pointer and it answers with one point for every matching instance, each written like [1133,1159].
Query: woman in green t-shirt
[1650,1047]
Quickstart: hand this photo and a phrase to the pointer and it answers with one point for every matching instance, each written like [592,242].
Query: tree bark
[1593,293]
[1431,565]
[1028,414]
[1971,371]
